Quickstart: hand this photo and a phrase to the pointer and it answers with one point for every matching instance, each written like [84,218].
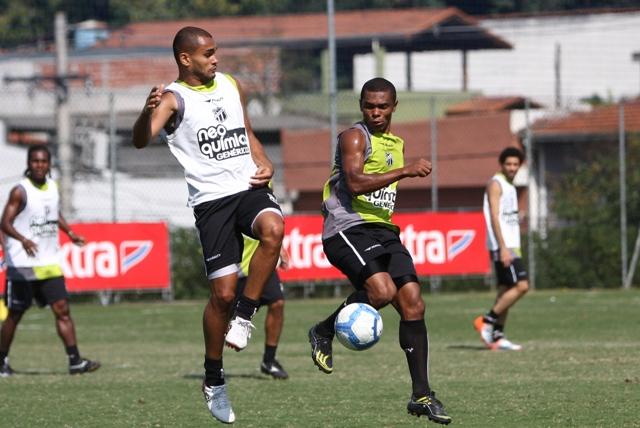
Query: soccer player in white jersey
[227,173]
[503,242]
[30,221]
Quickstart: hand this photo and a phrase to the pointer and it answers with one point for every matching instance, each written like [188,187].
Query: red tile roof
[468,149]
[601,120]
[400,23]
[489,105]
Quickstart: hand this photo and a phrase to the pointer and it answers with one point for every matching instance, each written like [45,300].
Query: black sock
[213,372]
[415,344]
[498,331]
[269,353]
[327,327]
[246,307]
[73,354]
[490,317]
[3,355]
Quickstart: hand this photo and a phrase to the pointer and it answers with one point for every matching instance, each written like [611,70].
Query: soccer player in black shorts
[360,239]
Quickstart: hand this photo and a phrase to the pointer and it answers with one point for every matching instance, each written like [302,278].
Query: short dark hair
[186,40]
[511,152]
[33,149]
[378,84]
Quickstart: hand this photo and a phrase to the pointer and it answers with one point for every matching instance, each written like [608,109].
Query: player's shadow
[228,375]
[469,347]
[40,372]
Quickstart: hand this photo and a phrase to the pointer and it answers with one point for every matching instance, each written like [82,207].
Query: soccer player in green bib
[360,239]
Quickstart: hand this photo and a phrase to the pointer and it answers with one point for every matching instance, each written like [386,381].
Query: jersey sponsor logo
[220,143]
[103,258]
[382,198]
[434,246]
[40,226]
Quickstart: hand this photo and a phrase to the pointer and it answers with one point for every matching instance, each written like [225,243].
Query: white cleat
[506,345]
[486,332]
[218,403]
[238,333]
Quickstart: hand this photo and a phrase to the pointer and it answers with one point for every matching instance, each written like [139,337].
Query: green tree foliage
[187,266]
[584,251]
[31,21]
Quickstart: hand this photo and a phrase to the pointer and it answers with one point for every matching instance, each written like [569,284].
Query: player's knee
[523,287]
[381,296]
[272,234]
[277,307]
[61,309]
[223,298]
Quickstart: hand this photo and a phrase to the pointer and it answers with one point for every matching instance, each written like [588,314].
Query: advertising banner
[117,256]
[440,244]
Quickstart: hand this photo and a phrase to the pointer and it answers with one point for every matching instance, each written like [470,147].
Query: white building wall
[596,54]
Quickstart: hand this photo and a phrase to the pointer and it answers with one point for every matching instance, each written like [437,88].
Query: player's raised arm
[157,110]
[352,150]
[264,173]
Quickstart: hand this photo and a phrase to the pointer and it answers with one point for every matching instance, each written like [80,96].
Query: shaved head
[186,40]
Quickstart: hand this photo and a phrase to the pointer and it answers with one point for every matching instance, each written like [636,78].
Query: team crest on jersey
[220,114]
[389,158]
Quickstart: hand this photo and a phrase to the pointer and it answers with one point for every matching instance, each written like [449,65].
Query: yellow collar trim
[209,87]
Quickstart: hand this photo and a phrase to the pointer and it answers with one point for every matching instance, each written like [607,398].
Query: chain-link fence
[571,189]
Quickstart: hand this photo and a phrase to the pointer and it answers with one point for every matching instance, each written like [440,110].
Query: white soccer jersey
[38,222]
[209,139]
[508,216]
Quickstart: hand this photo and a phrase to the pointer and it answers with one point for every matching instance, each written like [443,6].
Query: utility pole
[63,116]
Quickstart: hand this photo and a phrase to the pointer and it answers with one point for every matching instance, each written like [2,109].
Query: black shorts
[364,250]
[19,294]
[511,274]
[273,290]
[222,222]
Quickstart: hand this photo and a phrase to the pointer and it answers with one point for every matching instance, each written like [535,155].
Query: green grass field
[580,368]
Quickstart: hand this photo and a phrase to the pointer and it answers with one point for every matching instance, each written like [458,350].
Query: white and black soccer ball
[358,326]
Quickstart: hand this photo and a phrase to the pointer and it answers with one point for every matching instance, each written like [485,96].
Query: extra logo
[220,143]
[103,258]
[435,246]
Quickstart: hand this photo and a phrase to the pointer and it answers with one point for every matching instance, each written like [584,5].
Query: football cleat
[238,333]
[273,369]
[84,366]
[485,330]
[321,352]
[218,403]
[505,344]
[429,406]
[5,368]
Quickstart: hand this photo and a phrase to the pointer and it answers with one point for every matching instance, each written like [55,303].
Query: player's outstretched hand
[153,100]
[420,168]
[262,177]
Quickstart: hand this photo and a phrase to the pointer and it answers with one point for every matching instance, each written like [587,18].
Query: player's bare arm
[352,149]
[494,191]
[11,210]
[64,226]
[157,110]
[264,173]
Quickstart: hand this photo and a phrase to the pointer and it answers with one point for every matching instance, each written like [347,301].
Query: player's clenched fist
[420,168]
[153,100]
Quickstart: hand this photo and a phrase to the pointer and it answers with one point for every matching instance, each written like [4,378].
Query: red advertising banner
[440,244]
[117,256]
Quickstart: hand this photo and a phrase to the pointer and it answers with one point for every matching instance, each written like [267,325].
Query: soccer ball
[358,326]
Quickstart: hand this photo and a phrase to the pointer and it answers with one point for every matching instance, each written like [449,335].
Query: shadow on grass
[229,375]
[40,372]
[469,347]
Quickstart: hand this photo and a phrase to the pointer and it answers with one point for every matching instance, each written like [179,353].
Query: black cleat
[273,369]
[5,369]
[321,353]
[429,406]
[84,366]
